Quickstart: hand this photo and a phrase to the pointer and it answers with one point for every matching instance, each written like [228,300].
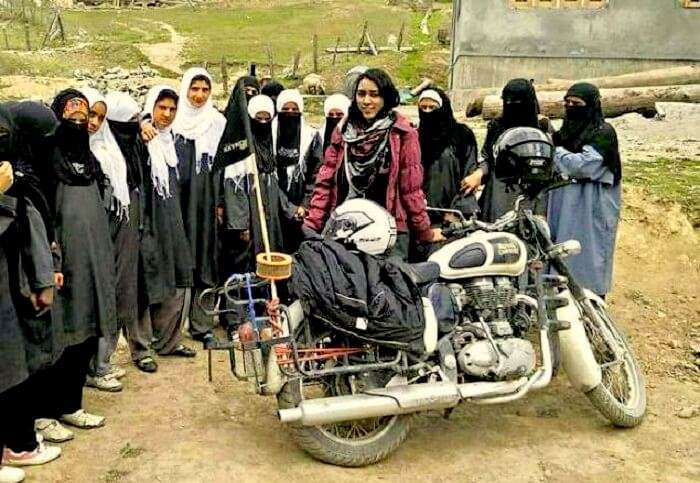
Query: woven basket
[274,266]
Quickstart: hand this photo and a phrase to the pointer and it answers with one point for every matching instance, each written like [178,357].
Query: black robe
[86,303]
[198,199]
[242,214]
[13,364]
[166,260]
[520,109]
[497,198]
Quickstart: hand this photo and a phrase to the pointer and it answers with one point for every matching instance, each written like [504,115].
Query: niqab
[585,125]
[73,163]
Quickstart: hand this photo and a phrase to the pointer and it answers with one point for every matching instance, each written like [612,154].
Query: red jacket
[404,195]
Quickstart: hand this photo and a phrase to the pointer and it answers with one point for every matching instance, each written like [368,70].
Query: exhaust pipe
[392,401]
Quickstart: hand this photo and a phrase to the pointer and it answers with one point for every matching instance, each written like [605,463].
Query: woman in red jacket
[375,154]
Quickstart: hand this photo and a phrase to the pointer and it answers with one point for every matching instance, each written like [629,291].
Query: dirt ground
[174,426]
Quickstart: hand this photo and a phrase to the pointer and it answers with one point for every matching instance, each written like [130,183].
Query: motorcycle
[521,316]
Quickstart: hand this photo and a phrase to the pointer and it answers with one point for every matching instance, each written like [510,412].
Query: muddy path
[167,55]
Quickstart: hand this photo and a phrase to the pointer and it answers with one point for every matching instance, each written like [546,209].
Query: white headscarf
[431,94]
[204,125]
[290,95]
[336,101]
[261,103]
[121,107]
[108,153]
[161,149]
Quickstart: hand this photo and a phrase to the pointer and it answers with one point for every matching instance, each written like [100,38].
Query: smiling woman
[375,155]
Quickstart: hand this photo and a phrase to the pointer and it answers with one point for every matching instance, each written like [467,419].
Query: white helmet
[362,225]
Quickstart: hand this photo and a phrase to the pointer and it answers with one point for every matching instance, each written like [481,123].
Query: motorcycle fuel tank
[482,254]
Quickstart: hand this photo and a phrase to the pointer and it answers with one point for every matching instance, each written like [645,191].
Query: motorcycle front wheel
[350,443]
[621,395]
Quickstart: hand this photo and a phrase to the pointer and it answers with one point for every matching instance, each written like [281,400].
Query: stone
[689,412]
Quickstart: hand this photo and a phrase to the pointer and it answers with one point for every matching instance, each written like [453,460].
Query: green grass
[242,32]
[675,180]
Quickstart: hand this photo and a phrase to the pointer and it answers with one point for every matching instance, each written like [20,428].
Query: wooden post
[370,44]
[224,72]
[7,41]
[335,52]
[400,38]
[362,37]
[295,63]
[315,43]
[60,26]
[206,65]
[270,61]
[26,35]
[49,31]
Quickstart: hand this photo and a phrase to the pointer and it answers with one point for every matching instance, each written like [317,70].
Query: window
[691,3]
[565,4]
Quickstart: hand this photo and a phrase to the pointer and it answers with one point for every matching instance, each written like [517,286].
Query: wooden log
[365,50]
[315,45]
[427,82]
[689,74]
[616,102]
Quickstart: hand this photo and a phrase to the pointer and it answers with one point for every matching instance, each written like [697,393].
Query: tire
[323,446]
[626,413]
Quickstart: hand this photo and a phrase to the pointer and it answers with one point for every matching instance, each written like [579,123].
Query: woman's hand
[472,182]
[219,213]
[42,299]
[148,132]
[58,280]
[6,176]
[437,235]
[300,213]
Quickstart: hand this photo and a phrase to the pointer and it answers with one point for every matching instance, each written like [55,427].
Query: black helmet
[524,156]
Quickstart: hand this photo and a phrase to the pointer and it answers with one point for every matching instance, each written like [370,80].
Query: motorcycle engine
[515,358]
[488,308]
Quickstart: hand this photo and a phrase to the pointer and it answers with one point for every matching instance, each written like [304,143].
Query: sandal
[147,364]
[182,351]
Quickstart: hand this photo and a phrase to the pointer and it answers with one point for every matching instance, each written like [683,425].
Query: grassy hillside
[241,31]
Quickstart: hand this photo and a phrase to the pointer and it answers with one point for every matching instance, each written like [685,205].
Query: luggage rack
[248,358]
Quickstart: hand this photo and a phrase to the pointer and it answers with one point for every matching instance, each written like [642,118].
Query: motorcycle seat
[423,273]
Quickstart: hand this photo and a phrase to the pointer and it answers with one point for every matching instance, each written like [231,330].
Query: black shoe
[147,364]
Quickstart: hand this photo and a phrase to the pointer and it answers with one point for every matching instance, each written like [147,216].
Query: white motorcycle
[520,315]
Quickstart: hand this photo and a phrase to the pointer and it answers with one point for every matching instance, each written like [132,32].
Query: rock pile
[135,81]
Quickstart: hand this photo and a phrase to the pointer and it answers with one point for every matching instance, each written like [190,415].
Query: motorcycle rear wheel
[351,443]
[621,395]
